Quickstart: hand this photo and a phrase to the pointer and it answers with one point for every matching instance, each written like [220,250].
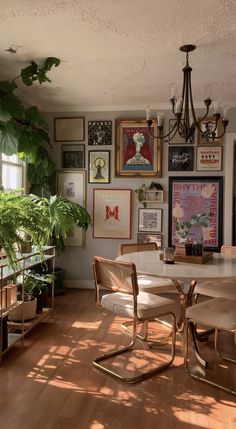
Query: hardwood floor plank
[51,383]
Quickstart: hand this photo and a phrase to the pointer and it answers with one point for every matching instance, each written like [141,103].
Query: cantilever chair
[217,288]
[216,313]
[147,283]
[125,300]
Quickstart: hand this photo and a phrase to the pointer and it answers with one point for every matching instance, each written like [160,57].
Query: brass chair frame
[98,266]
[189,330]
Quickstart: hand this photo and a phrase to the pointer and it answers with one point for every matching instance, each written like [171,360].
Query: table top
[149,263]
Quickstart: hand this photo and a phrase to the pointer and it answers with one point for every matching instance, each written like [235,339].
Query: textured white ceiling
[119,54]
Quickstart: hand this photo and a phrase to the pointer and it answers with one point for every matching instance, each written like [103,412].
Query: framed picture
[112,213]
[195,211]
[208,135]
[137,153]
[99,166]
[73,156]
[145,237]
[71,185]
[181,158]
[68,129]
[99,132]
[177,139]
[209,158]
[150,220]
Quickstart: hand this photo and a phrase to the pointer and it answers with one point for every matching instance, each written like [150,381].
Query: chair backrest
[228,251]
[115,275]
[136,247]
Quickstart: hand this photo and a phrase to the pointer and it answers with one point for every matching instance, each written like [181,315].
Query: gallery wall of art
[109,155]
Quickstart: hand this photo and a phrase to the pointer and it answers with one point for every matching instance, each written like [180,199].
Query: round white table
[149,263]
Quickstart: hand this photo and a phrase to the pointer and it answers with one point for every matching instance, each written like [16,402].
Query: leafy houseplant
[43,219]
[24,130]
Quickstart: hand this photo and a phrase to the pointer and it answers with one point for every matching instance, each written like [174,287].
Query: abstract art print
[195,211]
[112,213]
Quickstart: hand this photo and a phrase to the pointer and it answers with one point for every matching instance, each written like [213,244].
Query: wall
[78,262]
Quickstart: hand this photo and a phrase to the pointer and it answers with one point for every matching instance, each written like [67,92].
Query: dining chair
[125,300]
[147,283]
[219,314]
[216,288]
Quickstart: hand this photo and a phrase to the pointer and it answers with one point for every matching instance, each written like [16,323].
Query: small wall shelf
[153,196]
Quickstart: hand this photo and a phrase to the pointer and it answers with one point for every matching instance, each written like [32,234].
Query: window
[12,172]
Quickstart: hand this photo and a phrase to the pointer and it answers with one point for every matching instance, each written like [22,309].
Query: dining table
[184,275]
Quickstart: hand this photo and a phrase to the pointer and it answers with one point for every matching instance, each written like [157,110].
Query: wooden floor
[51,382]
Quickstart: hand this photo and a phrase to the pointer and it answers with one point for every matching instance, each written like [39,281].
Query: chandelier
[185,119]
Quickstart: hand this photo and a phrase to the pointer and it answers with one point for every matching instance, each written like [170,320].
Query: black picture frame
[177,139]
[181,158]
[99,133]
[196,211]
[98,166]
[73,156]
[150,220]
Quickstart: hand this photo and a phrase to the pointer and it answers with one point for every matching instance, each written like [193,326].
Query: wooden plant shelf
[153,196]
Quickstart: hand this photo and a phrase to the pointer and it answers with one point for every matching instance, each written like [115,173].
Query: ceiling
[119,54]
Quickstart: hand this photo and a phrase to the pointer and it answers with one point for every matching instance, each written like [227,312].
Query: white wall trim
[228,186]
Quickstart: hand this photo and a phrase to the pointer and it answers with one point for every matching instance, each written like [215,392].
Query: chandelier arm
[160,136]
[171,131]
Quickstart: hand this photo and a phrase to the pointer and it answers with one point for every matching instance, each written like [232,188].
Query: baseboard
[79,284]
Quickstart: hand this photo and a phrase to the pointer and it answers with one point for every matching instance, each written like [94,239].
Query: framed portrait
[145,237]
[209,158]
[71,185]
[72,156]
[177,139]
[99,166]
[195,211]
[99,132]
[68,129]
[112,213]
[181,158]
[209,135]
[137,153]
[150,220]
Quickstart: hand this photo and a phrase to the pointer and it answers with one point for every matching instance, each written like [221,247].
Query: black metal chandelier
[183,110]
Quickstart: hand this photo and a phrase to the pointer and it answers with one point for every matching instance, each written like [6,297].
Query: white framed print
[209,158]
[149,220]
[112,213]
[70,184]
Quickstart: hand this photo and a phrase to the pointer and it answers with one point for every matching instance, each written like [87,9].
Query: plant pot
[29,311]
[59,281]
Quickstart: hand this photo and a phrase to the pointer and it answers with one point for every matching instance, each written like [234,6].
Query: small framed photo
[150,220]
[99,133]
[209,135]
[209,158]
[99,166]
[145,237]
[177,139]
[137,152]
[181,158]
[68,129]
[73,156]
[112,213]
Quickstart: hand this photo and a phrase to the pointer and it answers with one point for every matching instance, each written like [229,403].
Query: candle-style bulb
[148,112]
[160,119]
[173,90]
[225,112]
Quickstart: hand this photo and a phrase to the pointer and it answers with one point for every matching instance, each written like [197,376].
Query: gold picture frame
[137,153]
